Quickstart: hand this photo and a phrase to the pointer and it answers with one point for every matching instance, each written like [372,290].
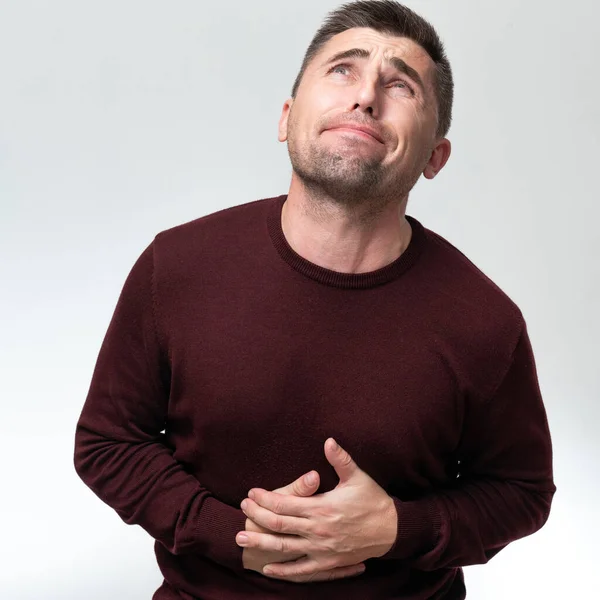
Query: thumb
[301,486]
[340,460]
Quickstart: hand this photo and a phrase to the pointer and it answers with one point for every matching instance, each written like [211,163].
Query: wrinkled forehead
[380,46]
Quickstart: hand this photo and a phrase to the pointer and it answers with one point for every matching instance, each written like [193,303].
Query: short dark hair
[393,18]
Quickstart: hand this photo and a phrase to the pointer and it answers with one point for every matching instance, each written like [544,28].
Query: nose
[366,99]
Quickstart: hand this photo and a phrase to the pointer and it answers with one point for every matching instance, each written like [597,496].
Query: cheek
[320,108]
[413,133]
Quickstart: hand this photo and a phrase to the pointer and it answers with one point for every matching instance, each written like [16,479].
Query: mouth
[359,133]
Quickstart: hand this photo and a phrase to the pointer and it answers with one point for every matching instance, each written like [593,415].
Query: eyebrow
[396,62]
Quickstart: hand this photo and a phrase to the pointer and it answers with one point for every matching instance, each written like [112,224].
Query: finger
[281,504]
[305,569]
[276,523]
[302,486]
[301,567]
[286,544]
[337,573]
[340,460]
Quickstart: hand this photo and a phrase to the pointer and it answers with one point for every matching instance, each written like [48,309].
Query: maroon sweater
[230,359]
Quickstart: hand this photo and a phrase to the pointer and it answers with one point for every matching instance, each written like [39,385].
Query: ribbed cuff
[216,531]
[419,523]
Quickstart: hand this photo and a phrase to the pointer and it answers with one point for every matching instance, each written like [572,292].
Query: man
[246,343]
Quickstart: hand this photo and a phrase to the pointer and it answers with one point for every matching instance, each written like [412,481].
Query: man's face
[397,103]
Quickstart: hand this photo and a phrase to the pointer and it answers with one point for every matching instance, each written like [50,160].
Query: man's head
[373,64]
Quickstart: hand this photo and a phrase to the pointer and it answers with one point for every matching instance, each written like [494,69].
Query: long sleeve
[505,487]
[120,452]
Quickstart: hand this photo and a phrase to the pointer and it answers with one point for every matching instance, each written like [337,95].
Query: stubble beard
[358,184]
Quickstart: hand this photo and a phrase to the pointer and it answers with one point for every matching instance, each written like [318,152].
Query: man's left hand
[353,522]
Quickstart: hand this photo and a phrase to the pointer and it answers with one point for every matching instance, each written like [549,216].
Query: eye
[404,85]
[400,84]
[344,67]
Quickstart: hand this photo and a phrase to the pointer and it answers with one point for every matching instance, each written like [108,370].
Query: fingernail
[251,494]
[244,505]
[311,479]
[335,446]
[242,539]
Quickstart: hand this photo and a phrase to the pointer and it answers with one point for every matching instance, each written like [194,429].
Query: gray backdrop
[119,119]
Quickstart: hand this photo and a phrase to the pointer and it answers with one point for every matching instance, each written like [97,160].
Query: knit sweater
[230,359]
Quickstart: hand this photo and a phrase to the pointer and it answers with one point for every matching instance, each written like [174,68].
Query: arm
[505,487]
[120,452]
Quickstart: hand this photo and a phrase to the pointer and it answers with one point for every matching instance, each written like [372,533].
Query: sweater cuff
[419,523]
[216,530]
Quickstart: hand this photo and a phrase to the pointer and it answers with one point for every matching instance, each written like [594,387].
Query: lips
[362,129]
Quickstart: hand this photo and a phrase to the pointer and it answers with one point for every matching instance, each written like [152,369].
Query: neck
[343,239]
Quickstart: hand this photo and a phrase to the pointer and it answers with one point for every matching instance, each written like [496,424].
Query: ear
[439,157]
[283,120]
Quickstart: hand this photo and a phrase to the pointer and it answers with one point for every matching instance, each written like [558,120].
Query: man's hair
[392,18]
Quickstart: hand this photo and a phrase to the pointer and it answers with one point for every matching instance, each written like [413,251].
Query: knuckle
[346,459]
[320,532]
[330,546]
[278,524]
[324,537]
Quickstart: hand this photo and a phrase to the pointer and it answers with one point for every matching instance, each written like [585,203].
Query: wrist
[389,527]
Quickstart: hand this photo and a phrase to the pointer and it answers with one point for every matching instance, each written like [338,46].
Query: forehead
[381,46]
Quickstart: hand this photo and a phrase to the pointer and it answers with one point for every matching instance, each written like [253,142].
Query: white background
[119,119]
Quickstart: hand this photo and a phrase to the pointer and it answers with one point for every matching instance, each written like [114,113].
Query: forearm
[506,484]
[469,524]
[145,486]
[119,449]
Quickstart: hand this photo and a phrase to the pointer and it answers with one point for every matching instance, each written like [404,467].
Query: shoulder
[473,316]
[219,223]
[460,281]
[211,236]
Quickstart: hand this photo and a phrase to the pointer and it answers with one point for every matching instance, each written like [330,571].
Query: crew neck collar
[335,278]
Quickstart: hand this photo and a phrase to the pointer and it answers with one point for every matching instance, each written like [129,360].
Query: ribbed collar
[336,278]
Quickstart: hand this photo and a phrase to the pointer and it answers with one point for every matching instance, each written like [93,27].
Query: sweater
[230,359]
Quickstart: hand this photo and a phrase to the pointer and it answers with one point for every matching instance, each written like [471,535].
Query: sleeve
[120,450]
[505,485]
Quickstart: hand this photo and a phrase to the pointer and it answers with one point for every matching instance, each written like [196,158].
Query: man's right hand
[255,559]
